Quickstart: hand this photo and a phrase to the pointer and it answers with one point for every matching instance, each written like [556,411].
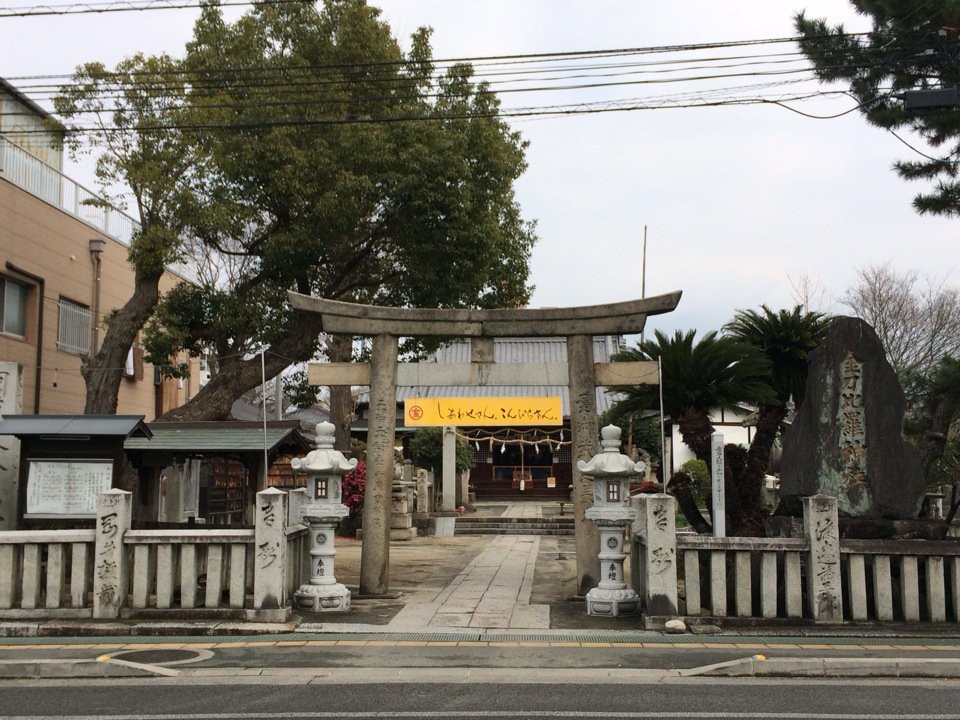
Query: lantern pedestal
[612,597]
[323,593]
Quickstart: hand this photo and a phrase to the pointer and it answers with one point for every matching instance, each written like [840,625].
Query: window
[613,491]
[74,327]
[321,491]
[13,308]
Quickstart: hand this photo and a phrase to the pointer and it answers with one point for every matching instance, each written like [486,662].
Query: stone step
[487,519]
[485,530]
[513,526]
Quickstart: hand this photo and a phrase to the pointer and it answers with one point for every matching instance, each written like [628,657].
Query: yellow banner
[482,411]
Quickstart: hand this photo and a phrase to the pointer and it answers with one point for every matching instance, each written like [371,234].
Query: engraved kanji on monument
[270,551]
[823,563]
[847,439]
[114,508]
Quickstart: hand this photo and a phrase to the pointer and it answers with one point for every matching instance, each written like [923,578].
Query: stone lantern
[611,512]
[322,512]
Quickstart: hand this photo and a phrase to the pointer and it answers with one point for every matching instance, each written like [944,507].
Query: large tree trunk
[748,483]
[695,430]
[103,372]
[340,349]
[236,375]
[681,487]
[933,442]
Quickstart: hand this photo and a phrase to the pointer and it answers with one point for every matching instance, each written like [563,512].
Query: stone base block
[399,506]
[403,534]
[401,522]
[613,603]
[322,598]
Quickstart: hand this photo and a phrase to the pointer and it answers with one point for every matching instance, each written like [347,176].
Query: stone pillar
[823,566]
[584,427]
[114,512]
[423,491]
[270,551]
[718,516]
[11,395]
[449,498]
[656,524]
[375,553]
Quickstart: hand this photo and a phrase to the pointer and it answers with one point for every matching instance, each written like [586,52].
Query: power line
[543,111]
[126,6]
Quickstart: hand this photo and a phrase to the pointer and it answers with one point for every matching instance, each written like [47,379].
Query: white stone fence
[816,577]
[114,571]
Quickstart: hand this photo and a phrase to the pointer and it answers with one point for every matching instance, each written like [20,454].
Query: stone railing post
[822,530]
[270,550]
[110,582]
[296,499]
[656,560]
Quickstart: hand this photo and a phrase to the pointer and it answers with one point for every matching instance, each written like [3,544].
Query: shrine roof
[59,426]
[219,437]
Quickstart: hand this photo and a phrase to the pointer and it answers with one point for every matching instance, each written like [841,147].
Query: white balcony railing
[50,185]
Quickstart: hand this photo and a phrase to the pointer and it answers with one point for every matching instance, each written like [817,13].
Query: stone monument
[11,391]
[611,472]
[322,512]
[847,439]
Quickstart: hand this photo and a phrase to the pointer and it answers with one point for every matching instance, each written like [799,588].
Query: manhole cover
[158,657]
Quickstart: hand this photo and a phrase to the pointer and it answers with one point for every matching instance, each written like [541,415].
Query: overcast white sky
[736,200]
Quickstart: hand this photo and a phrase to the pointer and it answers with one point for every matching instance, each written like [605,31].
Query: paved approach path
[492,591]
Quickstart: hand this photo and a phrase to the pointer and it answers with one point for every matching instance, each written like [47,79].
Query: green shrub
[698,470]
[426,446]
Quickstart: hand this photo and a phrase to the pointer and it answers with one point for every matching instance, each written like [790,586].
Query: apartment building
[63,268]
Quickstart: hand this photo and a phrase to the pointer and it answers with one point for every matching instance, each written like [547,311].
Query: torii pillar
[579,325]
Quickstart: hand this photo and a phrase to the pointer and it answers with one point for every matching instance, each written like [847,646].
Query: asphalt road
[716,699]
[251,653]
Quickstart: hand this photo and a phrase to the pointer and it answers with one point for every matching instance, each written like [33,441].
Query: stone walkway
[492,591]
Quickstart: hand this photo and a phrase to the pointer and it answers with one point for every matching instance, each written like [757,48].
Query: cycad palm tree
[786,338]
[697,377]
[716,372]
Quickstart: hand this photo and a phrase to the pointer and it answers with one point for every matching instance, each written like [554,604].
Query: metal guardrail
[50,185]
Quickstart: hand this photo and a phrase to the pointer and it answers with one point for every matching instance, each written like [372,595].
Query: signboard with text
[482,411]
[66,488]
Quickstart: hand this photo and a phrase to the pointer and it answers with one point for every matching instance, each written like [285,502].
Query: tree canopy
[761,359]
[911,46]
[917,320]
[138,131]
[330,162]
[698,376]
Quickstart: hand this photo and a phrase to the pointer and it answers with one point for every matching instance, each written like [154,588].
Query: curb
[148,629]
[760,666]
[89,668]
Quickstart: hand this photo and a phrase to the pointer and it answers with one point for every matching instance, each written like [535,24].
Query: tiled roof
[74,425]
[216,437]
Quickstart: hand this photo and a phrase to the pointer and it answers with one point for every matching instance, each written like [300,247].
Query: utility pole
[643,276]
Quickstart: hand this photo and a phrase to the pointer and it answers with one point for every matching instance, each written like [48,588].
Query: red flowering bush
[353,485]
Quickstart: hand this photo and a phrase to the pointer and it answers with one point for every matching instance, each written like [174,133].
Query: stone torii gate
[383,374]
